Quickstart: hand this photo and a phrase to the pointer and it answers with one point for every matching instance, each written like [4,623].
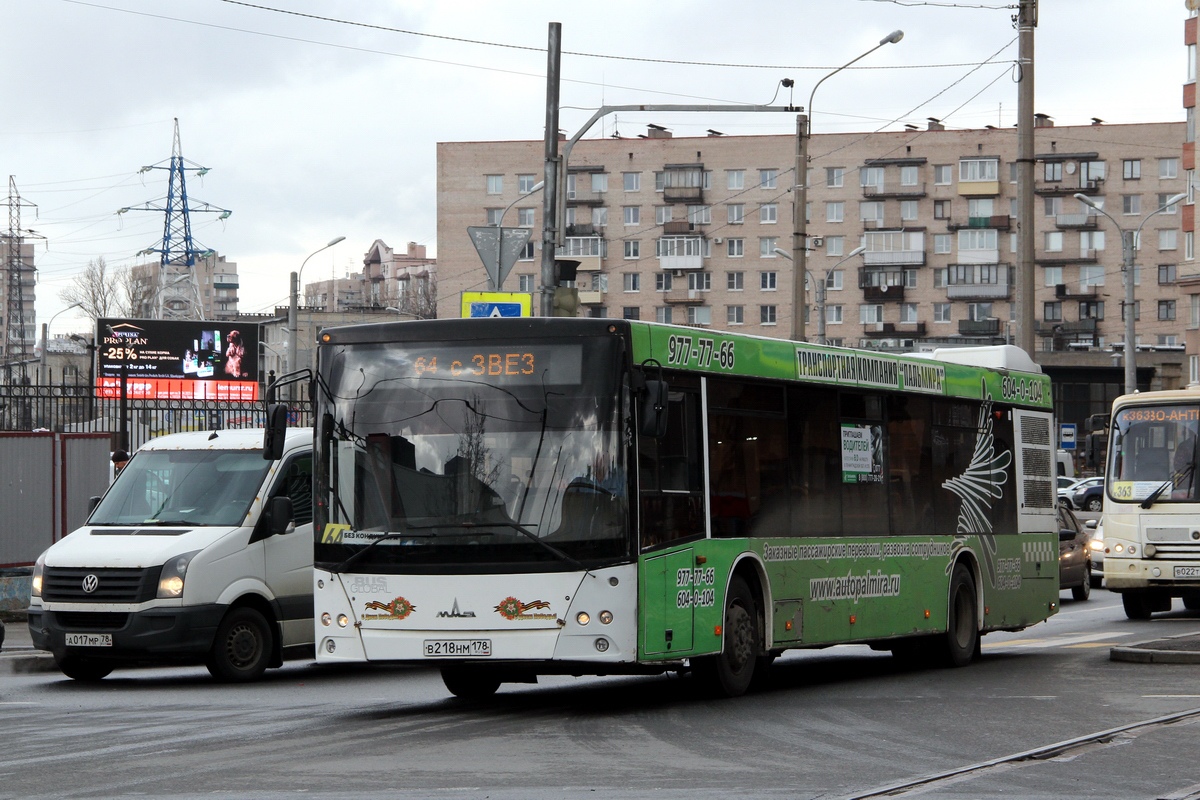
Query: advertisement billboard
[197,359]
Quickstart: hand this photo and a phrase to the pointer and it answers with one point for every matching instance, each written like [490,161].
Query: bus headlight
[583,618]
[606,617]
[326,619]
[170,580]
[343,620]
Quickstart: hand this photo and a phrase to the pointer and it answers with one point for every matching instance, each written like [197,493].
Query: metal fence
[79,408]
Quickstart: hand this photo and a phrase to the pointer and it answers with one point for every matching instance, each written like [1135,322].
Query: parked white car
[1066,493]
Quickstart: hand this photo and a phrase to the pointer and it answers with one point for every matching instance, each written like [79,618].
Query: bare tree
[96,290]
[421,299]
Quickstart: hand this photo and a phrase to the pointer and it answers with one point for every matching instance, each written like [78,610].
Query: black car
[1090,498]
[1074,558]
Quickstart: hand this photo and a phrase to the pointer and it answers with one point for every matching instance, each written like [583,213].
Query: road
[837,723]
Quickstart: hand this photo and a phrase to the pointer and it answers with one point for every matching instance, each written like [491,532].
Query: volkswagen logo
[90,583]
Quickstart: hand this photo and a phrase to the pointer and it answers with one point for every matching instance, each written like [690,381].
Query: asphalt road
[837,723]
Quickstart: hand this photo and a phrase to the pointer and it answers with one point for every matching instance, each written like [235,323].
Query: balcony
[591,297]
[680,252]
[681,294]
[683,194]
[898,258]
[905,329]
[587,250]
[678,227]
[979,327]
[1054,258]
[1061,188]
[1064,291]
[1083,326]
[1000,222]
[978,188]
[1076,221]
[981,282]
[897,190]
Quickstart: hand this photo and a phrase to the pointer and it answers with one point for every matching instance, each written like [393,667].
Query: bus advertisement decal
[394,609]
[513,609]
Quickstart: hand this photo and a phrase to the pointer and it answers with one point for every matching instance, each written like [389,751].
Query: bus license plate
[88,640]
[1187,572]
[457,648]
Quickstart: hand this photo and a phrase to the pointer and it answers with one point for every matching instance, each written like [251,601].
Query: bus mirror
[654,409]
[276,431]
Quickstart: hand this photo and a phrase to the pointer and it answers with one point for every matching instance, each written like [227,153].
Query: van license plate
[1187,572]
[89,640]
[457,648]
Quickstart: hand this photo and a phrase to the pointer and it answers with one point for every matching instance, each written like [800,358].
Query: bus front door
[666,604]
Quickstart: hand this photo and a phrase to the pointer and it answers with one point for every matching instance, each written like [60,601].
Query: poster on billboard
[158,358]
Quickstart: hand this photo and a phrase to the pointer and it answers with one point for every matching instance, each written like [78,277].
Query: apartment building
[16,345]
[209,290]
[688,230]
[1191,286]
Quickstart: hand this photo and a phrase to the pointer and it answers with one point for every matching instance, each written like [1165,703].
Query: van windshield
[183,487]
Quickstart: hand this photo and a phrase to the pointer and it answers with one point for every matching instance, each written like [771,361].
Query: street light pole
[819,288]
[800,206]
[43,374]
[537,187]
[1129,240]
[293,303]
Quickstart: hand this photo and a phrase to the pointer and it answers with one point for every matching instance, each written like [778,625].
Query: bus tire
[961,640]
[730,672]
[470,684]
[242,647]
[1137,605]
[82,668]
[1191,601]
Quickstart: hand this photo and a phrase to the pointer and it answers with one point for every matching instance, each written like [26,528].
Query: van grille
[92,621]
[66,585]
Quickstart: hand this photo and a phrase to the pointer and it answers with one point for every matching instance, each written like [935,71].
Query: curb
[1182,649]
[26,661]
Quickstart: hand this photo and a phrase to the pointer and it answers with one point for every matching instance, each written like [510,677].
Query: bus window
[748,459]
[910,464]
[816,461]
[864,465]
[670,471]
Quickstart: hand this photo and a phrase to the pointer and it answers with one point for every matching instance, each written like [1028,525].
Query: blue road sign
[1066,436]
[493,309]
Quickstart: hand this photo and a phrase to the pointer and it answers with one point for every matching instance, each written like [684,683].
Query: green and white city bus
[507,498]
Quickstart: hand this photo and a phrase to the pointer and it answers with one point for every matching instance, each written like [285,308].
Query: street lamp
[537,187]
[1129,241]
[822,286]
[43,372]
[800,206]
[294,301]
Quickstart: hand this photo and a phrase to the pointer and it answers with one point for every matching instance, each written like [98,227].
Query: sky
[321,118]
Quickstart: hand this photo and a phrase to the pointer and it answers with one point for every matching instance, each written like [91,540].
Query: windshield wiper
[1149,501]
[387,536]
[531,536]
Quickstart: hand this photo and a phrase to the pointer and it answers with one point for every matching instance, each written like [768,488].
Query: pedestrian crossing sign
[497,304]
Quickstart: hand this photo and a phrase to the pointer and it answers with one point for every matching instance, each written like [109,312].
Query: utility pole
[553,168]
[1026,21]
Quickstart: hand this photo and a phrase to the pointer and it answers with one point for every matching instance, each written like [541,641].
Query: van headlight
[39,568]
[170,580]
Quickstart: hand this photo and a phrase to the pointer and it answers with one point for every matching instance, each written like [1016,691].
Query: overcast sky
[323,121]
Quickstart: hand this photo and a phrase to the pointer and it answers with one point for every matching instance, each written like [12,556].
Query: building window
[662,214]
[833,315]
[941,209]
[1052,312]
[767,281]
[835,245]
[1189,245]
[1131,204]
[835,212]
[766,315]
[632,281]
[525,183]
[908,210]
[1052,171]
[908,176]
[943,174]
[735,315]
[1090,275]
[871,178]
[835,177]
[1091,171]
[941,312]
[735,248]
[631,312]
[910,279]
[1162,207]
[633,248]
[662,314]
[1053,276]
[833,280]
[599,182]
[699,281]
[735,281]
[662,282]
[525,217]
[908,312]
[942,242]
[1054,241]
[768,178]
[979,312]
[1168,168]
[1091,309]
[1166,310]
[870,211]
[493,216]
[768,213]
[1166,273]
[1132,169]
[766,246]
[527,252]
[495,184]
[699,315]
[632,181]
[736,213]
[735,179]
[1090,241]
[632,214]
[870,314]
[699,215]
[600,217]
[1168,239]
[979,169]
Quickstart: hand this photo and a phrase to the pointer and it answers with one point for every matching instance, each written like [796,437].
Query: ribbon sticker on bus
[862,453]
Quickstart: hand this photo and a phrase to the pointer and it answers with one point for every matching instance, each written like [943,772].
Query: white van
[200,551]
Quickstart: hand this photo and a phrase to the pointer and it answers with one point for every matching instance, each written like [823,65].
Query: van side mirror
[93,501]
[654,409]
[276,431]
[281,516]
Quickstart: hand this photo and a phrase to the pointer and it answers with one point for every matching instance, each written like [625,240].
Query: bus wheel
[242,647]
[731,672]
[1191,601]
[469,684]
[1137,605]
[961,641]
[81,668]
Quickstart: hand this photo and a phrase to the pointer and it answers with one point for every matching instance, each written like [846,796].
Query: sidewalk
[1182,649]
[17,654]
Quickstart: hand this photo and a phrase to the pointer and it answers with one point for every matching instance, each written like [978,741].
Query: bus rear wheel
[1137,605]
[470,684]
[961,641]
[1191,601]
[730,672]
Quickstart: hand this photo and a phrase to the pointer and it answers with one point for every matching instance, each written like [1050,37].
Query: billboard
[176,359]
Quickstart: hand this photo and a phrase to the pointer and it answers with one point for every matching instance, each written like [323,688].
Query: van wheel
[731,672]
[242,647]
[961,641]
[470,684]
[81,668]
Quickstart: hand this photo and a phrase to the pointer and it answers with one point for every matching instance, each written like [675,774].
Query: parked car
[1089,498]
[1096,549]
[1074,561]
[1066,493]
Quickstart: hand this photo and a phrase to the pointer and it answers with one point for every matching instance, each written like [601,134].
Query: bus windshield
[1153,453]
[454,454]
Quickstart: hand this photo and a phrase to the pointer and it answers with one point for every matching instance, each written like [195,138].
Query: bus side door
[666,604]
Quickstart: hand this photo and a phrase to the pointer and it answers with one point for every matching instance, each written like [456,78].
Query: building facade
[212,287]
[689,230]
